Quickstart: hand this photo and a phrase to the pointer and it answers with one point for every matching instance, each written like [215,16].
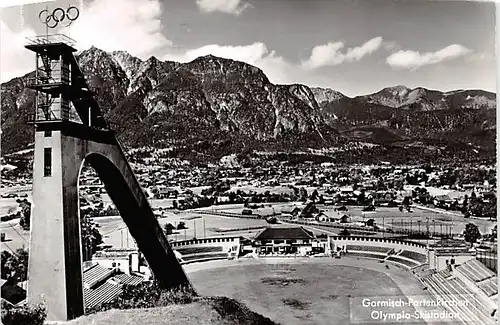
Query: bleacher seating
[445,273]
[421,258]
[402,261]
[365,255]
[204,257]
[475,271]
[459,286]
[489,286]
[197,250]
[409,259]
[363,248]
[474,312]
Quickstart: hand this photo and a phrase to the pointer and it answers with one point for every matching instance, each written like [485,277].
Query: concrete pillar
[54,269]
[55,259]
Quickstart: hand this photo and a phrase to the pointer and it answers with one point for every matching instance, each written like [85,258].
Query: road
[418,206]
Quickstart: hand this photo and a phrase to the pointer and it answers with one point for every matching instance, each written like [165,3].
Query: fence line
[330,225]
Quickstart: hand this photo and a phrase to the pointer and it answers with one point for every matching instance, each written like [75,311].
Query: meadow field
[115,233]
[384,216]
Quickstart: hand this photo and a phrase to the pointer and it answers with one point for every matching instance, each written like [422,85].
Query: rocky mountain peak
[398,89]
[327,95]
[210,66]
[128,63]
[390,96]
[214,107]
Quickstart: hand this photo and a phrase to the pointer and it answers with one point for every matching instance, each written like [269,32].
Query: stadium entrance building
[284,241]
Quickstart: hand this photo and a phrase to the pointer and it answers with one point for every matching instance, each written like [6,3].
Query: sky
[352,46]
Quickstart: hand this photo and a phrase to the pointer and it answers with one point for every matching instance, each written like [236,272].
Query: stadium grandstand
[448,269]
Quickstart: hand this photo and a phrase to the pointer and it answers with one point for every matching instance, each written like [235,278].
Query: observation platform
[60,81]
[44,44]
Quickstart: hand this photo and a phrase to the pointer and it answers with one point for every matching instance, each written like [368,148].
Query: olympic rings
[59,16]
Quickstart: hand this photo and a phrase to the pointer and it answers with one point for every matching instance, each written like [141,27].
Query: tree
[6,269]
[314,195]
[471,233]
[91,237]
[303,194]
[362,197]
[181,225]
[370,222]
[424,196]
[24,222]
[222,187]
[407,200]
[15,266]
[23,315]
[169,228]
[233,197]
[476,207]
[148,294]
[344,232]
[490,209]
[465,203]
[207,191]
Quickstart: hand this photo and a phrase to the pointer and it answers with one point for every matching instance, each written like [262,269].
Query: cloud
[480,57]
[129,25]
[15,3]
[278,69]
[15,60]
[246,53]
[330,54]
[234,7]
[391,46]
[407,59]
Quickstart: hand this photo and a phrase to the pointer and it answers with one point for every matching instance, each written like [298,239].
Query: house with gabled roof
[102,285]
[279,240]
[290,212]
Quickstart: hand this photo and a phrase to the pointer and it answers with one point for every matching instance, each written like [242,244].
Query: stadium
[443,281]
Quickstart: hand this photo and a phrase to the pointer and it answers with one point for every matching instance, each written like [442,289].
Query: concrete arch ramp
[55,260]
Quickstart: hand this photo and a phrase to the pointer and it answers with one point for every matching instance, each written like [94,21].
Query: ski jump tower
[70,130]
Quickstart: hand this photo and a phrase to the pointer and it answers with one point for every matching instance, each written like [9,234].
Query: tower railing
[50,39]
[44,81]
[53,115]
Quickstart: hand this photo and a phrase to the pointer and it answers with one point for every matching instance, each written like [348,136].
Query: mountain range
[211,107]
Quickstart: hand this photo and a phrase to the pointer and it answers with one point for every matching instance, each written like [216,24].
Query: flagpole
[47,25]
[383,225]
